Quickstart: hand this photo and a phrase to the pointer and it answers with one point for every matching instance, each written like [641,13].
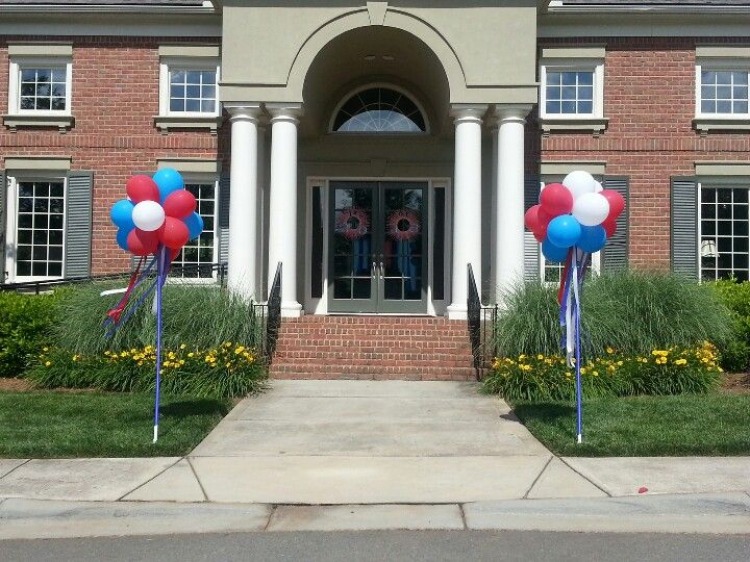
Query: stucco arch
[360,18]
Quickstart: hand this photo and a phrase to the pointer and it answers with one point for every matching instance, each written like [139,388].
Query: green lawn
[685,425]
[47,424]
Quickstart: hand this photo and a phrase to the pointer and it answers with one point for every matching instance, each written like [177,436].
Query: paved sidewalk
[391,454]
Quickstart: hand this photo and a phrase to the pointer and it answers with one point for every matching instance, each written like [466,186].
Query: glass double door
[378,247]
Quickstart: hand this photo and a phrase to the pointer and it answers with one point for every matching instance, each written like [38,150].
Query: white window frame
[169,64]
[18,63]
[208,178]
[719,58]
[596,257]
[718,65]
[596,67]
[11,227]
[701,249]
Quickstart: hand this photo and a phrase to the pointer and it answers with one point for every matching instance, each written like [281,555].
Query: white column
[467,206]
[507,260]
[493,205]
[283,220]
[243,195]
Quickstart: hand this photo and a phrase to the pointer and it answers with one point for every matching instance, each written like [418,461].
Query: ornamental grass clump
[670,371]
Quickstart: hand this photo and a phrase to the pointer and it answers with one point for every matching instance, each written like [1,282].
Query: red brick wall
[115,97]
[649,99]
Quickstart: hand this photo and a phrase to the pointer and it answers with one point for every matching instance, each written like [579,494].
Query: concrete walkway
[390,454]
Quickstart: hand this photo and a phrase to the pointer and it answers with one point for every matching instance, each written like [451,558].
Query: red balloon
[142,243]
[540,234]
[179,204]
[142,188]
[173,253]
[616,203]
[174,233]
[556,199]
[531,218]
[610,227]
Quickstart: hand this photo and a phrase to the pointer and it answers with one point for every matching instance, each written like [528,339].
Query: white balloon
[148,215]
[591,209]
[580,182]
[598,187]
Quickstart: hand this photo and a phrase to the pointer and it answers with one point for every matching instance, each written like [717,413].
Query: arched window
[379,110]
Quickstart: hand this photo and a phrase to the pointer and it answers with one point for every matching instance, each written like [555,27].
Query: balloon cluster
[158,210]
[577,212]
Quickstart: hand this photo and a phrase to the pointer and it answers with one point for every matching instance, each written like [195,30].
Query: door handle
[382,271]
[374,270]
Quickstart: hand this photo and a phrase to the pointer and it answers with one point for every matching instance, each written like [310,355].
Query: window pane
[379,110]
[197,256]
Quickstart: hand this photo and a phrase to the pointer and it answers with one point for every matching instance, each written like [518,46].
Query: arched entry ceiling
[374,55]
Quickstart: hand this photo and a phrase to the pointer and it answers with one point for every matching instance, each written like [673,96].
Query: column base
[457,312]
[291,309]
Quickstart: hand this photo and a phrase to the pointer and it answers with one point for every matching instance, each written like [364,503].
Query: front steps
[373,348]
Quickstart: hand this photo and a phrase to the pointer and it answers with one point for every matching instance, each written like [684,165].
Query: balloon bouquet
[158,218]
[573,220]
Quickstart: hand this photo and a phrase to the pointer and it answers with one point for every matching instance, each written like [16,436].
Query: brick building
[375,148]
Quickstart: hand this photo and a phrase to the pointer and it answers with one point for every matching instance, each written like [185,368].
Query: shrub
[661,372]
[735,353]
[226,371]
[634,312]
[25,327]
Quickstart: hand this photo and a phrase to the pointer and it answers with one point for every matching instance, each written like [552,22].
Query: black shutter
[531,189]
[685,227]
[615,253]
[78,224]
[223,200]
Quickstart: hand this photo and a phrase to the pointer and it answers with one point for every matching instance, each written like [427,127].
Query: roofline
[554,8]
[20,9]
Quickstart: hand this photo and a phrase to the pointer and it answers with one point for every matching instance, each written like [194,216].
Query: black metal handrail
[177,270]
[274,313]
[481,322]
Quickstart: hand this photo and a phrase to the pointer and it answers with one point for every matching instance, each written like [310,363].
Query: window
[40,86]
[724,92]
[192,91]
[572,89]
[379,110]
[198,256]
[188,88]
[724,238]
[35,229]
[722,97]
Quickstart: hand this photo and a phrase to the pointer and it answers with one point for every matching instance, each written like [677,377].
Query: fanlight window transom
[379,110]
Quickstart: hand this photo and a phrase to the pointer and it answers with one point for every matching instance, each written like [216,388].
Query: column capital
[468,112]
[285,112]
[244,112]
[510,114]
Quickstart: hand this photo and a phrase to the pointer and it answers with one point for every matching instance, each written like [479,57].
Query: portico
[283,196]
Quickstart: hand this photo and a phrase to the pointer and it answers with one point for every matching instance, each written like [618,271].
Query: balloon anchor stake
[579,439]
[156,433]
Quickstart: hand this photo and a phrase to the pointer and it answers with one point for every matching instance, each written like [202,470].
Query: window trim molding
[573,59]
[728,58]
[38,55]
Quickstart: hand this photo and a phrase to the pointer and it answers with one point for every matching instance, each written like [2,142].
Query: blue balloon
[194,222]
[564,231]
[122,238]
[593,238]
[168,180]
[553,253]
[122,214]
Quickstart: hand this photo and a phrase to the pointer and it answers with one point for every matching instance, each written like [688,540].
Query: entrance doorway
[377,253]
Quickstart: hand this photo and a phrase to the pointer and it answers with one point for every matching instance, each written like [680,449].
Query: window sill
[596,125]
[165,123]
[62,122]
[705,124]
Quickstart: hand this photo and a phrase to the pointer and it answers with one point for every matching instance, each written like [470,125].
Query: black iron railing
[274,313]
[481,321]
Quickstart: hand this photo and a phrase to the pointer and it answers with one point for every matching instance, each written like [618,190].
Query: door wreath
[352,223]
[403,225]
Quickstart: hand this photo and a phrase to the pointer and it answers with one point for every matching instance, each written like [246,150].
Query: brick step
[373,348]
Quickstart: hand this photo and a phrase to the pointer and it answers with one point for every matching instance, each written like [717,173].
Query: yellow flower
[610,350]
[191,354]
[182,346]
[540,357]
[525,367]
[47,363]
